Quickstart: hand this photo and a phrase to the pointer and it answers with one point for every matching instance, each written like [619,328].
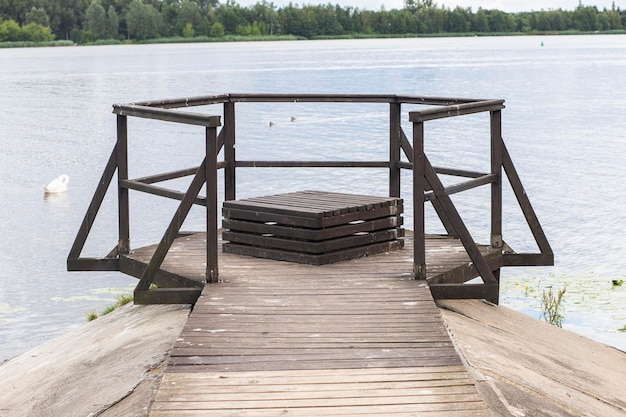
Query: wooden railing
[427,186]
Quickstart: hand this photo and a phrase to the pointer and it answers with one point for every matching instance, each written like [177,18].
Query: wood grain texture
[352,338]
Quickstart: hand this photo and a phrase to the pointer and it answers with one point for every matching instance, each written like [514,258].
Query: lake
[564,126]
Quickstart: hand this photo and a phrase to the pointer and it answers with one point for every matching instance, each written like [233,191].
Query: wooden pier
[358,337]
[347,337]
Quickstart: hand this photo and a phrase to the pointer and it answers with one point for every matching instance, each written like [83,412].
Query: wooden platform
[352,338]
[312,227]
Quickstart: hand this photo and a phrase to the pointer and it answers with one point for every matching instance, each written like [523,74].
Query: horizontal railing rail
[427,185]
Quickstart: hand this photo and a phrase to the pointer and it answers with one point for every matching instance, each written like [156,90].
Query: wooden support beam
[459,227]
[522,198]
[171,233]
[394,149]
[93,264]
[496,185]
[228,133]
[211,204]
[167,296]
[94,206]
[419,182]
[489,292]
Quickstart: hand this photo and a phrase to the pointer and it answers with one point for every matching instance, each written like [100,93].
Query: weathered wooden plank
[313,234]
[340,392]
[431,410]
[444,372]
[313,259]
[300,219]
[318,247]
[178,365]
[290,388]
[326,402]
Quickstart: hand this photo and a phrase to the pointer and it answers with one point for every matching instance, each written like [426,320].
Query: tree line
[87,21]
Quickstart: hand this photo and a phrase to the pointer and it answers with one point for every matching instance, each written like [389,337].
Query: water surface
[563,125]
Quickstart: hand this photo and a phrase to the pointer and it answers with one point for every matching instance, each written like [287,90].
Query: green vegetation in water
[589,294]
[119,301]
[623,329]
[551,306]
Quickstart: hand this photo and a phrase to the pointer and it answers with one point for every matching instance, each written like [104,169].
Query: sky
[504,5]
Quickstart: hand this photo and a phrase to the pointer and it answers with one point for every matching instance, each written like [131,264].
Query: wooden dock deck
[356,337]
[275,338]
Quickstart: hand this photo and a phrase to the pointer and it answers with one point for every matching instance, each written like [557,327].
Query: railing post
[211,205]
[229,151]
[123,243]
[394,149]
[496,186]
[419,250]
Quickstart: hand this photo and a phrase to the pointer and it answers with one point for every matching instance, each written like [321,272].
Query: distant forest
[98,21]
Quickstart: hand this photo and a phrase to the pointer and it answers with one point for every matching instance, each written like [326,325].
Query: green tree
[217,30]
[113,23]
[459,20]
[188,31]
[96,19]
[542,21]
[37,15]
[610,19]
[480,21]
[586,18]
[143,20]
[36,33]
[66,16]
[231,15]
[500,22]
[10,31]
[15,10]
[190,13]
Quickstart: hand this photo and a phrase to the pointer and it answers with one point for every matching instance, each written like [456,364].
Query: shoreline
[113,365]
[279,38]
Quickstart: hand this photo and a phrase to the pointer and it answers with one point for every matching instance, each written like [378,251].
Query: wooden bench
[312,227]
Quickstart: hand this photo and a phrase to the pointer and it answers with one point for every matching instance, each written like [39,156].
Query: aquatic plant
[551,306]
[91,315]
[120,300]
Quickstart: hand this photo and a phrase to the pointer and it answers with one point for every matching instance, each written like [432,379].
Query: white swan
[57,185]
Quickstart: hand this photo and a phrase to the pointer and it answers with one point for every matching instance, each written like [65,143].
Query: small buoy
[541,43]
[57,185]
[271,124]
[293,119]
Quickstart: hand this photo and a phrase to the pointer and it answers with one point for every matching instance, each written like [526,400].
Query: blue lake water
[564,125]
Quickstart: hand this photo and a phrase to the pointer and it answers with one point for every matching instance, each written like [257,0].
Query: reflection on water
[61,199]
[563,125]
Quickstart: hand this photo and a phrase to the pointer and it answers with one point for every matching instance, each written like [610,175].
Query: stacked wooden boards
[312,227]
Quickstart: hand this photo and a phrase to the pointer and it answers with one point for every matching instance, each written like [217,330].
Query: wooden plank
[314,220]
[327,201]
[313,234]
[313,259]
[318,247]
[326,402]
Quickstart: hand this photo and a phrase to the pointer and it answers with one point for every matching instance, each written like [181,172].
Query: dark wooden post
[229,151]
[123,243]
[394,149]
[211,205]
[496,186]
[419,251]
